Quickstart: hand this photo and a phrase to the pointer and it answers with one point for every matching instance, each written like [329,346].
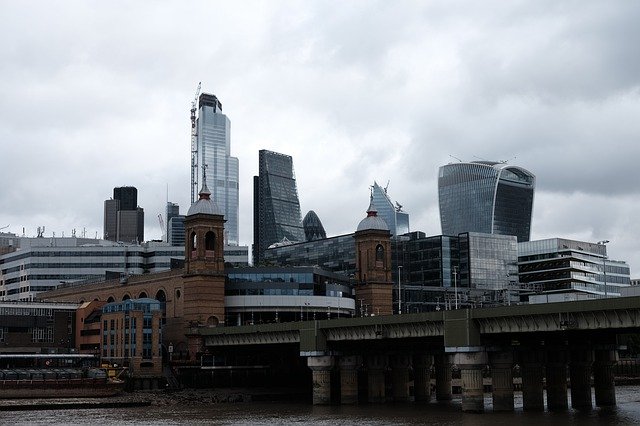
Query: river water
[627,412]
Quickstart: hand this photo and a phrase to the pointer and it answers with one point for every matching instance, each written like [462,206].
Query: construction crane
[194,146]
[164,233]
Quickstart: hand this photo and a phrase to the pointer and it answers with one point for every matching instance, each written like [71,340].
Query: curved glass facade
[487,197]
[313,229]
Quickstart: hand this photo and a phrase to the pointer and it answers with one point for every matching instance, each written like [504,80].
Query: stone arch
[142,295]
[161,296]
[126,297]
[210,241]
[193,243]
[111,299]
[212,321]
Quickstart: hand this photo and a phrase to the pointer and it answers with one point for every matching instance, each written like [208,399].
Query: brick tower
[374,288]
[204,262]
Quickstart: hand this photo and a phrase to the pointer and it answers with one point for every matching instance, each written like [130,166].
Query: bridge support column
[443,377]
[422,377]
[375,390]
[349,380]
[581,359]
[400,377]
[556,370]
[532,383]
[502,380]
[471,365]
[321,373]
[605,390]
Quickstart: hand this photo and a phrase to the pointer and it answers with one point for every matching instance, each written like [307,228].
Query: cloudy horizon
[96,95]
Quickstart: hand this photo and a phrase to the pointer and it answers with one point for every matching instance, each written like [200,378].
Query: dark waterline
[277,413]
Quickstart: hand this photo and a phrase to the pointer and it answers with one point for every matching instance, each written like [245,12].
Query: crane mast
[194,147]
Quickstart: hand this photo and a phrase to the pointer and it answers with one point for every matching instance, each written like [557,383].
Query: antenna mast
[194,147]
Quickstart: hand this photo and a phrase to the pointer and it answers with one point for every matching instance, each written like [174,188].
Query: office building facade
[569,270]
[486,197]
[43,264]
[123,219]
[396,219]
[276,211]
[222,170]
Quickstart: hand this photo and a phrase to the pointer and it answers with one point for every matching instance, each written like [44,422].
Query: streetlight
[399,291]
[604,265]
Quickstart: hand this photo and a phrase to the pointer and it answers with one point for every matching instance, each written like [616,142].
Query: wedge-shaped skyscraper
[485,196]
[276,208]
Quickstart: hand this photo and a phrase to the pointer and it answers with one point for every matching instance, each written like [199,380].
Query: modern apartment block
[396,219]
[123,219]
[222,170]
[565,269]
[276,209]
[487,197]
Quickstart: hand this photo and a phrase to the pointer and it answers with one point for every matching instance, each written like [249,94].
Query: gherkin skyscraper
[486,196]
[313,229]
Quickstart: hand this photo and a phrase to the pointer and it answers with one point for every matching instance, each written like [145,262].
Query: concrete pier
[321,374]
[531,362]
[400,377]
[603,377]
[581,359]
[422,377]
[502,380]
[443,377]
[376,364]
[471,365]
[348,380]
[556,372]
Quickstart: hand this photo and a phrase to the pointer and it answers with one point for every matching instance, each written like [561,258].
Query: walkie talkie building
[485,196]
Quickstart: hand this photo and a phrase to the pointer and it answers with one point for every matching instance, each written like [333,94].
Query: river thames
[627,412]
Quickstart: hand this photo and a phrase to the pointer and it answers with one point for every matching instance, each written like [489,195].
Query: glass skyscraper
[276,209]
[487,197]
[214,149]
[396,219]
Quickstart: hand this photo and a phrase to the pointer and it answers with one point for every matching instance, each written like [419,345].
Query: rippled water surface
[278,413]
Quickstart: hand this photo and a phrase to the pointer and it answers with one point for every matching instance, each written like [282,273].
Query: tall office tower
[214,149]
[128,197]
[123,219]
[487,197]
[172,210]
[175,234]
[313,229]
[276,209]
[110,229]
[397,220]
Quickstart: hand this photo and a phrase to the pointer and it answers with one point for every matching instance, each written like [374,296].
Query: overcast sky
[96,94]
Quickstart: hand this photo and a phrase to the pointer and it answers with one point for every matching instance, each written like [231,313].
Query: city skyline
[354,94]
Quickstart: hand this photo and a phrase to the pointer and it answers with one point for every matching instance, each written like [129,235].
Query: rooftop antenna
[510,159]
[194,146]
[456,158]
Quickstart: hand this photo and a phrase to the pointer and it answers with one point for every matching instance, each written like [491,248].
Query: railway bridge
[545,341]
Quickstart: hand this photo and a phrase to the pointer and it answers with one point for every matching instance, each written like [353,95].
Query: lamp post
[604,266]
[455,285]
[399,290]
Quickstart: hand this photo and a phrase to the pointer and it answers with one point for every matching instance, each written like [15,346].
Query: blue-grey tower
[486,196]
[276,208]
[214,149]
[397,220]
